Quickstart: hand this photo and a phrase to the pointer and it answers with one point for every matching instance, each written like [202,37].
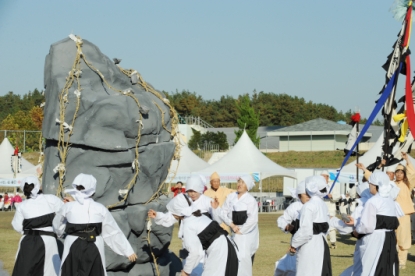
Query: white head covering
[294,193]
[381,180]
[31,180]
[301,188]
[88,181]
[196,183]
[313,185]
[179,206]
[394,191]
[391,168]
[249,181]
[325,172]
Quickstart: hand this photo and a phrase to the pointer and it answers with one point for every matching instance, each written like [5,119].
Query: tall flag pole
[399,127]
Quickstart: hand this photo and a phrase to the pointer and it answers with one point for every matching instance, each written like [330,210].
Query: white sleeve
[305,232]
[340,226]
[17,221]
[225,210]
[194,247]
[290,214]
[252,220]
[59,221]
[54,202]
[367,223]
[165,219]
[114,237]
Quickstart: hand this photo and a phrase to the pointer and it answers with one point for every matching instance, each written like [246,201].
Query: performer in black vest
[38,250]
[88,224]
[202,236]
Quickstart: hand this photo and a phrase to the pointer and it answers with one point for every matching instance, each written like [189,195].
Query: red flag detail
[410,115]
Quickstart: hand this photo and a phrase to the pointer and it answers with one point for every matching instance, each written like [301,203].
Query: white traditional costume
[204,236]
[286,266]
[87,225]
[38,250]
[243,212]
[313,257]
[344,229]
[378,223]
[203,203]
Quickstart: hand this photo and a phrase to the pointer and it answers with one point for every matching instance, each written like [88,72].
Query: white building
[315,135]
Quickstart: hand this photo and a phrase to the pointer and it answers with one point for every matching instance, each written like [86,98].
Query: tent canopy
[188,164]
[245,158]
[6,174]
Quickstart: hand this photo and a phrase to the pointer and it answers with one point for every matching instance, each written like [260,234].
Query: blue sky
[325,51]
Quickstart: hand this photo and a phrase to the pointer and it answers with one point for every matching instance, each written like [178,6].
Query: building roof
[316,127]
[318,124]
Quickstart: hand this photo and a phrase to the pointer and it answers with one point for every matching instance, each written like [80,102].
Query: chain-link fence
[26,140]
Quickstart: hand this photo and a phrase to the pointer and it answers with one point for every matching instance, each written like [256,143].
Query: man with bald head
[218,193]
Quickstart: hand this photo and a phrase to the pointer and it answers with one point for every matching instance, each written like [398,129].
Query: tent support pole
[260,194]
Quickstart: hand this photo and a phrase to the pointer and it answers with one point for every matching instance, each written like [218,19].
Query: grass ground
[273,245]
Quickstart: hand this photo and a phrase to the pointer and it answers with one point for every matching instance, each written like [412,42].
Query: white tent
[245,158]
[188,164]
[7,178]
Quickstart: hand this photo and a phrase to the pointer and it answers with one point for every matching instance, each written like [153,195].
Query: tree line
[272,109]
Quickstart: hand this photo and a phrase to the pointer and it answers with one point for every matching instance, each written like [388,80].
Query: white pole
[260,193]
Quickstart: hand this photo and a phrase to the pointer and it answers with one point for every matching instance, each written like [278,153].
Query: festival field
[273,244]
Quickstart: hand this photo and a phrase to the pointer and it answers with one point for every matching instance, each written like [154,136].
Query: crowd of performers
[218,227]
[380,223]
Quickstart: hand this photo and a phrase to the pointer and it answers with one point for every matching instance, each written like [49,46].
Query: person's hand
[330,196]
[361,166]
[184,273]
[355,234]
[215,203]
[151,213]
[67,199]
[289,227]
[405,156]
[293,250]
[132,258]
[234,228]
[351,222]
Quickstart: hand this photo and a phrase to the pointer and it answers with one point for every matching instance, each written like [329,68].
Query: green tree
[248,120]
[195,141]
[218,138]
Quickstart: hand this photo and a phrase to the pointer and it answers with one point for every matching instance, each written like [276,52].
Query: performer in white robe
[88,224]
[363,195]
[289,222]
[195,186]
[292,212]
[313,257]
[240,212]
[203,236]
[378,223]
[38,250]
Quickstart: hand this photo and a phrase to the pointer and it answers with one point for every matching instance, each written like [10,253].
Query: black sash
[239,217]
[296,225]
[209,235]
[38,222]
[389,256]
[87,232]
[384,222]
[320,227]
[40,233]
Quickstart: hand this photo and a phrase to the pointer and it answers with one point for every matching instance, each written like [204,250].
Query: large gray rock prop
[103,144]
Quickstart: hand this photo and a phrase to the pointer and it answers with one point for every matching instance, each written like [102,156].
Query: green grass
[272,246]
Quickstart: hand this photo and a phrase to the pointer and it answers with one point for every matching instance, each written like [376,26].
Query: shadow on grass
[346,239]
[341,256]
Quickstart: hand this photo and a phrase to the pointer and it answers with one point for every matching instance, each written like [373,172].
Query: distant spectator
[17,199]
[7,202]
[1,203]
[178,189]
